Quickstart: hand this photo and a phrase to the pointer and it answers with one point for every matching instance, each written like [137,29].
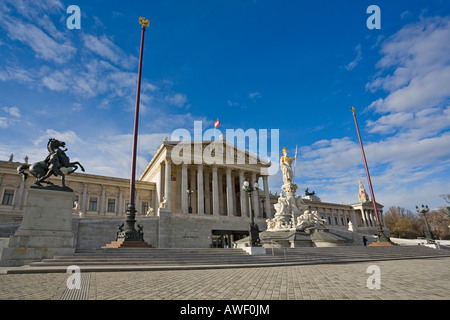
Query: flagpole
[381,236]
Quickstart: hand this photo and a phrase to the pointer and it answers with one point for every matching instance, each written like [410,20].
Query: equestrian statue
[56,163]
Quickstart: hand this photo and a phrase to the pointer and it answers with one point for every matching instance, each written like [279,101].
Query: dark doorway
[217,237]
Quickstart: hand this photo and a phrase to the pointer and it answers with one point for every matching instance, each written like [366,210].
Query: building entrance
[218,237]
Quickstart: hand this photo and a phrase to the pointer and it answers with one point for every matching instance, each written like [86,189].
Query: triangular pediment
[220,149]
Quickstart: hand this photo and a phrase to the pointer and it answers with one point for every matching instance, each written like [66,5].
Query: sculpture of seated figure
[310,219]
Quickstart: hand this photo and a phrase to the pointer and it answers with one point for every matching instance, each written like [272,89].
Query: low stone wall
[178,230]
[93,233]
[168,230]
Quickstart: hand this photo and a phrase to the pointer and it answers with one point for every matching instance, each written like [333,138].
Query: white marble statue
[310,219]
[286,167]
[150,212]
[163,203]
[282,207]
[76,209]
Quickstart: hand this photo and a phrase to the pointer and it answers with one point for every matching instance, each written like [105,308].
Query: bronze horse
[52,165]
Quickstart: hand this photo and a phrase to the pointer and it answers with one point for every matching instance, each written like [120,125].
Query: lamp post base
[130,237]
[254,235]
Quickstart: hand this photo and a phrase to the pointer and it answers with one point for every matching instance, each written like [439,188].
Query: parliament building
[189,196]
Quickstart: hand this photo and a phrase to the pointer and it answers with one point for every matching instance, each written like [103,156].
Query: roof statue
[362,194]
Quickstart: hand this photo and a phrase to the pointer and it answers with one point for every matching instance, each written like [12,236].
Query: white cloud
[19,74]
[177,99]
[410,159]
[109,156]
[254,95]
[418,56]
[352,64]
[13,111]
[425,90]
[13,115]
[4,122]
[106,49]
[44,46]
[56,81]
[232,104]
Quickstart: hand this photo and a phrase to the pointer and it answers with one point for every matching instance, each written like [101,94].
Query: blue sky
[296,66]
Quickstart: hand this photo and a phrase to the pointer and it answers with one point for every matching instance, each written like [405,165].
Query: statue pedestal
[290,189]
[45,231]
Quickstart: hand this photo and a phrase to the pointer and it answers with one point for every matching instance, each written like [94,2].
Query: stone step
[173,259]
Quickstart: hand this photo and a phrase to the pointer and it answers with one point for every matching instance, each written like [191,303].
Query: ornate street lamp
[428,234]
[190,192]
[254,230]
[127,235]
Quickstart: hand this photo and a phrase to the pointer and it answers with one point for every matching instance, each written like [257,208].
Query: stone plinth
[45,231]
[381,244]
[127,244]
[254,250]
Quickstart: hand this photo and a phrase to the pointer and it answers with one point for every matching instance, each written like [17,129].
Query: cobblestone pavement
[399,280]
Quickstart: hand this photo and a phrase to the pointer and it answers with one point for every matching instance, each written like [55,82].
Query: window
[111,205]
[8,197]
[144,207]
[93,204]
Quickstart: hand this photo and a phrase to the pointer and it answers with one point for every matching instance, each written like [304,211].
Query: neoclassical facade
[208,181]
[358,216]
[189,195]
[96,196]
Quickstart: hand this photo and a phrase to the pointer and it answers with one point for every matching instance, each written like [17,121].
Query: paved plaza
[399,280]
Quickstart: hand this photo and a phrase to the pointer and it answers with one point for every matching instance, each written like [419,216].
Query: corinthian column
[184,187]
[267,197]
[200,193]
[255,197]
[215,187]
[168,184]
[243,198]
[230,194]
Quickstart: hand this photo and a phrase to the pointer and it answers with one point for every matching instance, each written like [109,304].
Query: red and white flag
[216,124]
